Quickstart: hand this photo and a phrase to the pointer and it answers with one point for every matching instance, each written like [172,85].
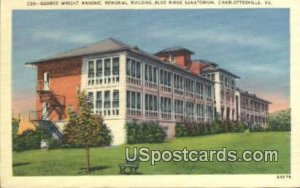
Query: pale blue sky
[252,43]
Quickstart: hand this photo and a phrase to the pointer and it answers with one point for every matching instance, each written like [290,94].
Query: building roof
[106,45]
[174,50]
[209,63]
[252,95]
[218,69]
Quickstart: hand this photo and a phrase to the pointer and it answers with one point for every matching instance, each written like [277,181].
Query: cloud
[55,36]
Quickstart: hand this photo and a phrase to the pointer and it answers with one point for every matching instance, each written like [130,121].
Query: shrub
[193,129]
[145,132]
[105,135]
[256,128]
[241,126]
[31,139]
[217,126]
[180,130]
[188,128]
[280,121]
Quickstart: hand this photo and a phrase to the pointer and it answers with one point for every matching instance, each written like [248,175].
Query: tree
[85,129]
[29,139]
[281,120]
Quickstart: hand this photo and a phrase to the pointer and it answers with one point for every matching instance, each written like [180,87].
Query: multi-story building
[123,83]
[225,87]
[251,109]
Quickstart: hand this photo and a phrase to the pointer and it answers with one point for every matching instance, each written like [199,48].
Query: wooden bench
[131,165]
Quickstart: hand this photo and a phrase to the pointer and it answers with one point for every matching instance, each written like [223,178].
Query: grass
[104,161]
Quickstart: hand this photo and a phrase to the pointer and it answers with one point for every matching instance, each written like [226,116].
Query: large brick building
[125,83]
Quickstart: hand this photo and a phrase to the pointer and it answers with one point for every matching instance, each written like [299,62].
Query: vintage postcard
[150,93]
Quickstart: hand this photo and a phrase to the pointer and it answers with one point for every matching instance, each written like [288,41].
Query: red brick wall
[182,59]
[65,79]
[196,67]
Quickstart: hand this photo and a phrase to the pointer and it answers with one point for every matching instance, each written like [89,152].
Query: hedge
[144,132]
[188,128]
[31,139]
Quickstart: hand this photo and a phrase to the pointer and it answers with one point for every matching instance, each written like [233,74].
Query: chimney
[177,55]
[197,66]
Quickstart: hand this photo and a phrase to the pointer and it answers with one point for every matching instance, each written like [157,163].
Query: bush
[281,121]
[105,135]
[145,132]
[256,128]
[31,139]
[203,128]
[193,129]
[104,140]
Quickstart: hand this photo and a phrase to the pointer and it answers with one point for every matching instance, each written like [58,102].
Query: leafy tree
[85,129]
[29,139]
[17,145]
[280,121]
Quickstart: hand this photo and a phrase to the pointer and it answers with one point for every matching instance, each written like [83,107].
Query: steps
[53,130]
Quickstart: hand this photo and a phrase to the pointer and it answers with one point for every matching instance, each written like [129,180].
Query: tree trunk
[87,159]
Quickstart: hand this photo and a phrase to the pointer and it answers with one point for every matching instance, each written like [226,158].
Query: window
[154,103]
[208,91]
[165,78]
[226,81]
[222,95]
[91,99]
[99,100]
[107,67]
[116,66]
[150,102]
[200,110]
[166,105]
[138,69]
[209,112]
[91,69]
[150,73]
[99,70]
[189,86]
[199,88]
[154,75]
[147,72]
[128,67]
[178,107]
[138,100]
[133,100]
[213,77]
[189,109]
[128,99]
[115,99]
[133,68]
[178,82]
[133,71]
[208,77]
[189,83]
[162,77]
[107,99]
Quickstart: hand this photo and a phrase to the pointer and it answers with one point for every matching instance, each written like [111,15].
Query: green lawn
[104,161]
